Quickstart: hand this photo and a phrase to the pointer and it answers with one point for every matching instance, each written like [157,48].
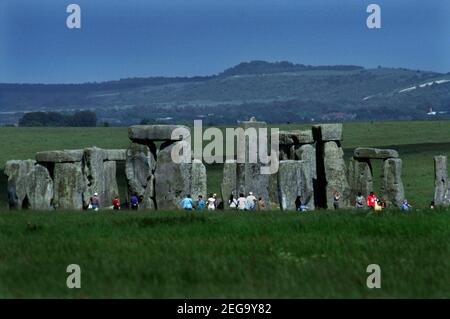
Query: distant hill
[275,92]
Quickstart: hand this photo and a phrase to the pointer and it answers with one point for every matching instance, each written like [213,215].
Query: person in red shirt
[371,199]
[116,203]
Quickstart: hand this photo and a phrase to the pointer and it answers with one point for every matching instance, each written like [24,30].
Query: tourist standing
[95,202]
[186,203]
[336,199]
[251,201]
[405,206]
[116,203]
[371,200]
[134,201]
[200,203]
[211,203]
[242,202]
[232,202]
[359,201]
[261,204]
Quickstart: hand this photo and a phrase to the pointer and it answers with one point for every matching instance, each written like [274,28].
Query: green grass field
[205,255]
[259,255]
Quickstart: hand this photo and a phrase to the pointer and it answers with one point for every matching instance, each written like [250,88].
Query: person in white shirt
[242,202]
[251,201]
[211,203]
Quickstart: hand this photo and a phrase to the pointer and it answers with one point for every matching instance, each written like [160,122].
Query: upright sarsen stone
[139,167]
[335,174]
[199,180]
[69,186]
[228,186]
[17,172]
[39,188]
[392,186]
[360,177]
[441,181]
[294,180]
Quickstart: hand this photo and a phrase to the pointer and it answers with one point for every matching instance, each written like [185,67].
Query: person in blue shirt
[186,203]
[134,201]
[200,203]
[405,206]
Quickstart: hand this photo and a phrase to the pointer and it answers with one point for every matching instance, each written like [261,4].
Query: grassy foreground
[206,255]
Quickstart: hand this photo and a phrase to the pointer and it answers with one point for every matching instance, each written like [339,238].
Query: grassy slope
[167,255]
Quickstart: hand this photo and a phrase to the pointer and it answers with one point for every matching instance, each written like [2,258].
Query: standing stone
[360,178]
[294,180]
[328,132]
[139,166]
[228,186]
[68,186]
[441,181]
[39,188]
[148,201]
[17,172]
[306,153]
[94,175]
[274,200]
[199,180]
[110,182]
[248,175]
[335,174]
[172,180]
[392,186]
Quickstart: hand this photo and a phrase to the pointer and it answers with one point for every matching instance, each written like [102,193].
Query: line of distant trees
[55,119]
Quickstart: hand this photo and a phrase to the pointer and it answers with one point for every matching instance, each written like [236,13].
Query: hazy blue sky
[131,38]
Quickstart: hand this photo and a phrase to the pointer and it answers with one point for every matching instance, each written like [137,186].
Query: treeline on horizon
[55,119]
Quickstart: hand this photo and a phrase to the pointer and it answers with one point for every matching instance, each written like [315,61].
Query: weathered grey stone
[306,153]
[360,178]
[392,187]
[66,156]
[335,174]
[143,133]
[172,180]
[17,172]
[248,175]
[148,200]
[296,137]
[228,186]
[294,180]
[68,186]
[441,181]
[285,152]
[110,181]
[274,201]
[199,179]
[94,174]
[39,188]
[327,132]
[139,167]
[374,153]
[115,155]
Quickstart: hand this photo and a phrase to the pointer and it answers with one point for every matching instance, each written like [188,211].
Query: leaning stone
[335,174]
[67,156]
[374,153]
[327,132]
[39,188]
[143,133]
[68,186]
[17,172]
[441,181]
[392,186]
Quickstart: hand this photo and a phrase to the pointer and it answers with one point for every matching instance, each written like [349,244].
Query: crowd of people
[248,203]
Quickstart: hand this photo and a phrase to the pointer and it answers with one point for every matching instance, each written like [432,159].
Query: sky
[140,38]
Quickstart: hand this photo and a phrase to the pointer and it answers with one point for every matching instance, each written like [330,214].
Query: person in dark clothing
[134,201]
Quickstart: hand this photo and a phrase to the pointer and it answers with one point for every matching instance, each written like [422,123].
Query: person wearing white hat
[251,201]
[95,202]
